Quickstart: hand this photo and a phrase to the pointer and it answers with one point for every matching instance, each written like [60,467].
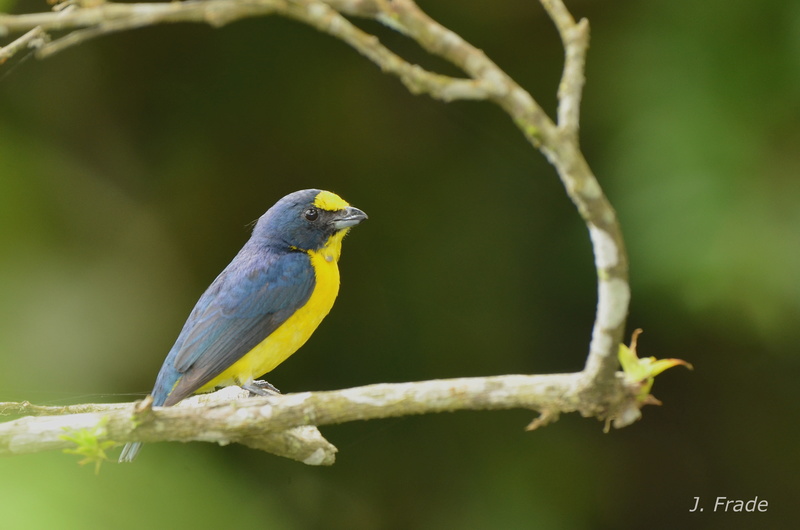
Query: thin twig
[575,38]
[33,39]
[418,80]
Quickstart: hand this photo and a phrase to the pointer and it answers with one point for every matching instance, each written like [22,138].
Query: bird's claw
[261,388]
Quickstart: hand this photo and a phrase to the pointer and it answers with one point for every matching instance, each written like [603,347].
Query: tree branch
[283,424]
[127,421]
[596,391]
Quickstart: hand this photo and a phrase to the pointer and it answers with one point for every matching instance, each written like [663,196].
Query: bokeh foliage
[131,166]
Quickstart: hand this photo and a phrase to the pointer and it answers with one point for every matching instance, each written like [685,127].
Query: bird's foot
[261,388]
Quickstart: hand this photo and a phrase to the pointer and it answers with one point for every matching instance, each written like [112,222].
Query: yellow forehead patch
[329,201]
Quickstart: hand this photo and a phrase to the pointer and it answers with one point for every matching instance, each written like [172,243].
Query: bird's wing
[244,305]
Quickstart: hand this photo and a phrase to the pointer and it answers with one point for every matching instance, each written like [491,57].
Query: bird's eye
[311,214]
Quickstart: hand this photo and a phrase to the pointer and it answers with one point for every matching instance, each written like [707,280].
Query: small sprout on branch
[642,371]
[546,417]
[142,411]
[90,444]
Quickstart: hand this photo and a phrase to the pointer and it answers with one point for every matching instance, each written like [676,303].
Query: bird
[264,305]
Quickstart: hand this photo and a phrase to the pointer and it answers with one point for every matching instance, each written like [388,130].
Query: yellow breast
[297,329]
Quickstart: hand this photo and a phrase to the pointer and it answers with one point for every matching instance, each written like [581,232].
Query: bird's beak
[348,217]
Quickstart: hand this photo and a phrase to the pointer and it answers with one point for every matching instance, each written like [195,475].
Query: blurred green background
[130,167]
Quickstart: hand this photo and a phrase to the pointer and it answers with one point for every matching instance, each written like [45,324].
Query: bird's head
[307,219]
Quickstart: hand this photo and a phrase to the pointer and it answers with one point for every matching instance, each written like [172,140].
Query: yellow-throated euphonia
[264,305]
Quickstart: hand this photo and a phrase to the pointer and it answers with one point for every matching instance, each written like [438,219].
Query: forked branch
[597,391]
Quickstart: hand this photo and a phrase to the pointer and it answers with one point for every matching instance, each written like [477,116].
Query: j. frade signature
[724,504]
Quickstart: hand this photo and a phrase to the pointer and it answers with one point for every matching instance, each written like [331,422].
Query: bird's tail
[165,382]
[130,451]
